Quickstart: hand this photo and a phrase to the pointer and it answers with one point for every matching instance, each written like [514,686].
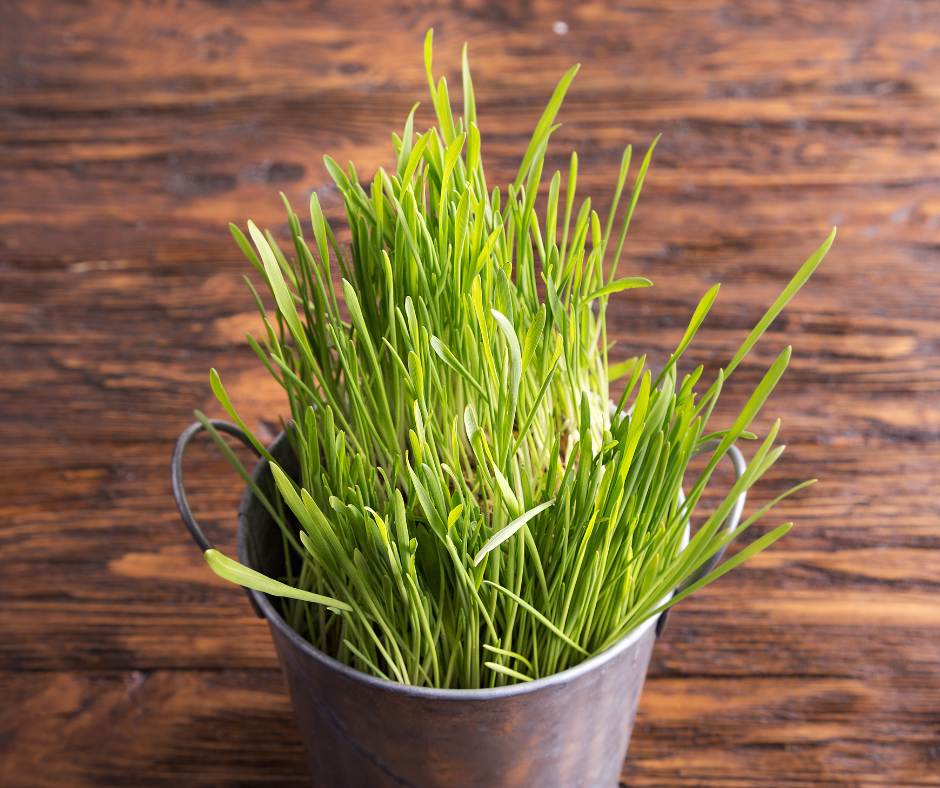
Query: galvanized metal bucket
[569,730]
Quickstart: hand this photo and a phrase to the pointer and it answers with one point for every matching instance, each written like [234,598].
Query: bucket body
[568,730]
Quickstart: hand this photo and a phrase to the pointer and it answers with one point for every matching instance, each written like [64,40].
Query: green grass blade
[541,618]
[283,297]
[545,123]
[799,279]
[618,286]
[697,317]
[725,567]
[507,671]
[504,533]
[241,575]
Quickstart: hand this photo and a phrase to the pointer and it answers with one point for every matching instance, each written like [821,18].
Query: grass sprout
[472,509]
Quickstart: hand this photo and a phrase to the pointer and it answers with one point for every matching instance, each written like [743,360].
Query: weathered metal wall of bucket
[570,730]
[571,734]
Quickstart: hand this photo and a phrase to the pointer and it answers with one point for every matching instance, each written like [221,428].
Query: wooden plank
[131,134]
[783,732]
[163,728]
[228,728]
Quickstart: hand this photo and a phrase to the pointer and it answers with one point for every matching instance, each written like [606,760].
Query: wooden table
[130,134]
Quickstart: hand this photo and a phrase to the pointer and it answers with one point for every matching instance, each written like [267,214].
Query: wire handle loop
[740,466]
[179,491]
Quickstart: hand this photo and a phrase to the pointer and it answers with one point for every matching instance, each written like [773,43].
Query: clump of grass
[472,506]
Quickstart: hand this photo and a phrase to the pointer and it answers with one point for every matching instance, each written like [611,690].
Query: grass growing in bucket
[472,509]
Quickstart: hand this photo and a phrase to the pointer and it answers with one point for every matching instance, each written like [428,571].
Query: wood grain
[131,133]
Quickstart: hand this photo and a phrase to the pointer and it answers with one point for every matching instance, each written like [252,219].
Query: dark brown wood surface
[131,133]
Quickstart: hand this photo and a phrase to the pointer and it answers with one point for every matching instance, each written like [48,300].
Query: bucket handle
[179,491]
[740,466]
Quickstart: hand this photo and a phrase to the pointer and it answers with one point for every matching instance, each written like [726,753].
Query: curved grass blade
[222,396]
[618,286]
[541,618]
[739,558]
[504,533]
[283,297]
[241,575]
[532,337]
[697,317]
[450,359]
[511,654]
[545,124]
[507,671]
[633,200]
[782,300]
